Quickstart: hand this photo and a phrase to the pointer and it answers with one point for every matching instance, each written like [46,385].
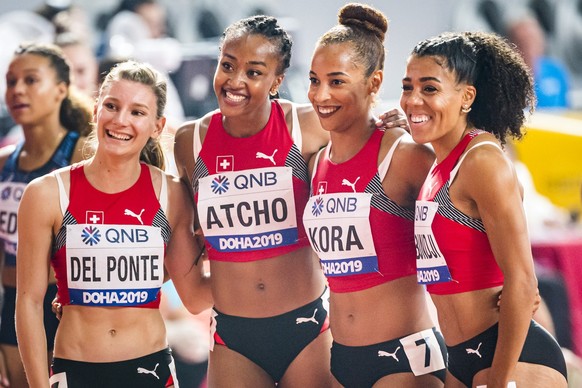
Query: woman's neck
[347,143]
[248,124]
[112,174]
[447,143]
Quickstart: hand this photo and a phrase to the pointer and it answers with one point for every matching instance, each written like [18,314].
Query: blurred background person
[139,29]
[54,121]
[551,78]
[83,62]
[40,23]
[187,337]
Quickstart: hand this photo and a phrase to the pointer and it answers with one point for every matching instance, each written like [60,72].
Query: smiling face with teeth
[126,117]
[247,71]
[432,99]
[339,91]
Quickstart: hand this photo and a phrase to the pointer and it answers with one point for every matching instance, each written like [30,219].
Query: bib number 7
[424,352]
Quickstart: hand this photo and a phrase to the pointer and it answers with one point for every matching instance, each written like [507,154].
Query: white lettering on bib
[248,210]
[431,266]
[338,228]
[114,265]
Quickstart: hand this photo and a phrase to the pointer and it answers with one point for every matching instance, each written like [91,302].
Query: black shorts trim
[469,357]
[155,370]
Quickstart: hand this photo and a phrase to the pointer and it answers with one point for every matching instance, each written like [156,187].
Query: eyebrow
[334,73]
[26,71]
[255,63]
[423,79]
[133,105]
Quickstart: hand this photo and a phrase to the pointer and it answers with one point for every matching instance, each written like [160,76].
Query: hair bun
[365,17]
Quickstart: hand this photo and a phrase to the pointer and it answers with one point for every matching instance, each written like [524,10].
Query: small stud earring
[466,109]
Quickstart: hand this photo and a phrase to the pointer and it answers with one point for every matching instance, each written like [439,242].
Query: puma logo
[382,353]
[132,214]
[261,155]
[475,351]
[346,182]
[305,320]
[149,372]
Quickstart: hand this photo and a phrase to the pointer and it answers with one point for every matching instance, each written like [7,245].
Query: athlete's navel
[113,332]
[261,286]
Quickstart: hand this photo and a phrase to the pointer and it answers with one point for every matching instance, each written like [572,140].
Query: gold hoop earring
[273,93]
[466,109]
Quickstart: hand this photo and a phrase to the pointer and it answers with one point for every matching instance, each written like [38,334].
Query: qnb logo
[220,185]
[91,235]
[5,193]
[317,207]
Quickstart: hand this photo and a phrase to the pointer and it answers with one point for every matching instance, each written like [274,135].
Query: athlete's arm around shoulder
[313,135]
[38,215]
[184,146]
[409,167]
[183,250]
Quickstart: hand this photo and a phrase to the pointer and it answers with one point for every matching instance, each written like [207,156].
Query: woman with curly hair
[465,94]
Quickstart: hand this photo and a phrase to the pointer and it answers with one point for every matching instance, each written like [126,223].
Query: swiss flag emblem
[321,187]
[94,217]
[225,163]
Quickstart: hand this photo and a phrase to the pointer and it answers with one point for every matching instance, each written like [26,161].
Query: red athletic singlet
[250,192]
[361,236]
[462,240]
[110,248]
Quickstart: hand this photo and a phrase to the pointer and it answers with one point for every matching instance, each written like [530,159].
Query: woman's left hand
[393,118]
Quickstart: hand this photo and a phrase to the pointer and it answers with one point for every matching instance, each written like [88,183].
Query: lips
[19,106]
[236,98]
[118,136]
[326,111]
[419,119]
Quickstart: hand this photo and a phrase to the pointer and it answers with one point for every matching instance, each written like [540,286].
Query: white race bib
[248,210]
[423,352]
[338,228]
[10,194]
[114,265]
[431,266]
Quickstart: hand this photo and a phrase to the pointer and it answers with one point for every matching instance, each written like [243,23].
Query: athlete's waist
[266,289]
[464,315]
[269,307]
[373,315]
[100,334]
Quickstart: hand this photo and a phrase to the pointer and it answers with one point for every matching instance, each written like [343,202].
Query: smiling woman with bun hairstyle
[382,330]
